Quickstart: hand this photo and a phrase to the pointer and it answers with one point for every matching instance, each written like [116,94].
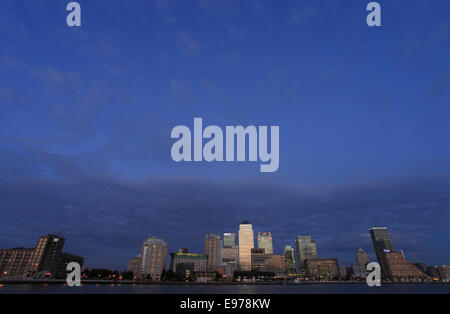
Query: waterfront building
[153,258]
[257,258]
[322,268]
[14,263]
[134,265]
[230,254]
[276,264]
[444,273]
[306,249]
[45,258]
[246,244]
[268,262]
[213,248]
[397,267]
[265,242]
[290,260]
[195,262]
[381,243]
[64,260]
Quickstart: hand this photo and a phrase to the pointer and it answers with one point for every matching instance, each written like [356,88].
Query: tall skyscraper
[382,243]
[290,259]
[229,239]
[361,259]
[213,248]
[265,242]
[153,257]
[246,244]
[306,249]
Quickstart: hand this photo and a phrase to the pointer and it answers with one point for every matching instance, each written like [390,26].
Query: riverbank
[276,283]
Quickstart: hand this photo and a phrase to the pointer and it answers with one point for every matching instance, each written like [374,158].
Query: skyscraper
[153,257]
[290,259]
[213,248]
[306,249]
[246,244]
[381,243]
[229,239]
[265,242]
[361,259]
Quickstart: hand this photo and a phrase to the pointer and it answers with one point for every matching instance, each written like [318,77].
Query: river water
[226,289]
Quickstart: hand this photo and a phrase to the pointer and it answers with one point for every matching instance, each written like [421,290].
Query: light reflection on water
[222,289]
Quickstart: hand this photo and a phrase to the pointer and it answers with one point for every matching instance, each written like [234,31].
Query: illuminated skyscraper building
[306,249]
[153,257]
[290,259]
[246,244]
[229,239]
[382,243]
[213,248]
[265,242]
[46,256]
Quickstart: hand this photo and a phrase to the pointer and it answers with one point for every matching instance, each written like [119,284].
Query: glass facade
[265,242]
[306,249]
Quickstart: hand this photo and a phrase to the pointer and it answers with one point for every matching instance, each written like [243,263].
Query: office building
[191,261]
[270,263]
[258,259]
[306,249]
[213,248]
[230,254]
[229,239]
[246,244]
[265,242]
[290,260]
[153,258]
[381,243]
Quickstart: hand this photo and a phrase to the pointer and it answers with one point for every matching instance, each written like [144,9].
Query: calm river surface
[224,289]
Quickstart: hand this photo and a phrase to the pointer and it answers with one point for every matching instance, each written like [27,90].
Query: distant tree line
[107,274]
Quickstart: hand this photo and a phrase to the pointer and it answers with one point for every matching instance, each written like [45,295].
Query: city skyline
[142,262]
[48,260]
[86,117]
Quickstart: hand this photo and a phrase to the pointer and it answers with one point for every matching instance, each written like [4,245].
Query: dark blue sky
[86,115]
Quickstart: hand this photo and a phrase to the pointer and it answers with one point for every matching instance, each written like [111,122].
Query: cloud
[106,220]
[190,45]
[302,12]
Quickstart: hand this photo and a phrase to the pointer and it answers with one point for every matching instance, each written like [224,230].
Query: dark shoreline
[110,282]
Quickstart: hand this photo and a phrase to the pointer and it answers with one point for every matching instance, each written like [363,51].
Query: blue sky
[363,115]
